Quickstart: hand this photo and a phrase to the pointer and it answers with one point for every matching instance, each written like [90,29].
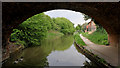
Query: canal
[59,51]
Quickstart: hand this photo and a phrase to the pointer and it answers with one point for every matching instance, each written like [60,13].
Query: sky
[75,17]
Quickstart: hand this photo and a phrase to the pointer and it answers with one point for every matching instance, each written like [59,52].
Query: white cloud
[75,17]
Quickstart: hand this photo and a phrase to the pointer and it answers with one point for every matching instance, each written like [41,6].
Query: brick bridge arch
[105,14]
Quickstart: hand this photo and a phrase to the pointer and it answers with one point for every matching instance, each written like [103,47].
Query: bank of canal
[52,52]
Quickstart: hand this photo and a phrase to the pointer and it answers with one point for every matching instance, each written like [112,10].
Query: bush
[35,29]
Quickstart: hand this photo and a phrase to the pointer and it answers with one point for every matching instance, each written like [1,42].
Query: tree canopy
[64,25]
[35,28]
[86,17]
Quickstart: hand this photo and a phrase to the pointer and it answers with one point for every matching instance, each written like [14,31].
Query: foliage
[83,27]
[78,40]
[15,35]
[86,17]
[102,60]
[63,25]
[78,28]
[118,66]
[98,37]
[35,29]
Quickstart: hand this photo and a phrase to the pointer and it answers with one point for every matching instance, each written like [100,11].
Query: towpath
[108,53]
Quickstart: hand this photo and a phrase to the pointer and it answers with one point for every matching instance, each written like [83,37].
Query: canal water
[59,51]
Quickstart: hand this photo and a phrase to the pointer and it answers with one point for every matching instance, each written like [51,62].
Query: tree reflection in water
[36,56]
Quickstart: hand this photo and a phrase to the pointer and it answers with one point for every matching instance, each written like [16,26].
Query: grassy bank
[98,37]
[53,34]
[78,40]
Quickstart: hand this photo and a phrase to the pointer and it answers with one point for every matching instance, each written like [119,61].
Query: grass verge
[78,40]
[53,34]
[97,37]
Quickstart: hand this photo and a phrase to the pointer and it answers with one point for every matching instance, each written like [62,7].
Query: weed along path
[108,53]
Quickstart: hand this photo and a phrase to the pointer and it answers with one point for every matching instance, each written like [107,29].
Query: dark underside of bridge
[106,14]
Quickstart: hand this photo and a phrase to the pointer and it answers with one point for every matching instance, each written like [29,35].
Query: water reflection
[52,52]
[69,57]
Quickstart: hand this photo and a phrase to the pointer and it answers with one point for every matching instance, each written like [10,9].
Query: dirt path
[109,53]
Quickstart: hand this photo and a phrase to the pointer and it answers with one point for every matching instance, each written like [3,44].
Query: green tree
[78,27]
[86,17]
[83,27]
[64,25]
[35,28]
